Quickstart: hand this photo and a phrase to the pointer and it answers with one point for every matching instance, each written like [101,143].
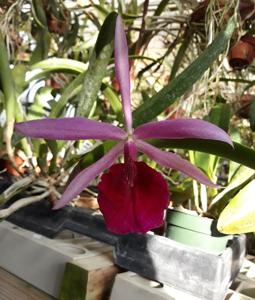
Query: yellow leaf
[239,215]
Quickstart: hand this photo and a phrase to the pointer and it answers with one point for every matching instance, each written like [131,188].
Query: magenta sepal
[174,161]
[122,71]
[182,129]
[76,128]
[84,178]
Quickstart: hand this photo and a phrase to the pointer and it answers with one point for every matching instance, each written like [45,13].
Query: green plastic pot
[195,231]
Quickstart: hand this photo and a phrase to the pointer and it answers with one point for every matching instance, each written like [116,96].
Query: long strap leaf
[182,83]
[13,108]
[97,66]
[240,154]
[8,87]
[57,65]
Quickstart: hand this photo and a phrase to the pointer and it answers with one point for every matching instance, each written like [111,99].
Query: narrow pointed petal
[122,70]
[69,129]
[182,129]
[174,161]
[136,208]
[83,179]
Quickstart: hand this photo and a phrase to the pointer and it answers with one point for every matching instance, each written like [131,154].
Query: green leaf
[242,175]
[71,35]
[183,82]
[55,147]
[97,66]
[2,100]
[252,116]
[143,57]
[114,101]
[57,65]
[36,109]
[39,13]
[7,82]
[162,5]
[133,7]
[106,34]
[206,162]
[7,85]
[101,9]
[220,116]
[233,166]
[18,73]
[180,55]
[240,154]
[239,80]
[43,40]
[239,215]
[42,157]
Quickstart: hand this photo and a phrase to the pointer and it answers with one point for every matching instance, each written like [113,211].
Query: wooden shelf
[14,288]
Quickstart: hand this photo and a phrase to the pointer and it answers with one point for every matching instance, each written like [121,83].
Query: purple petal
[174,161]
[122,70]
[182,129]
[82,180]
[70,129]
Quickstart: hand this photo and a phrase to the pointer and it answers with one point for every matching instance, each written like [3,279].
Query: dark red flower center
[133,197]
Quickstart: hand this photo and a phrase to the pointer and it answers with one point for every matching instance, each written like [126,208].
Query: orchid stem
[8,137]
[196,196]
[90,192]
[15,188]
[4,213]
[203,197]
[195,184]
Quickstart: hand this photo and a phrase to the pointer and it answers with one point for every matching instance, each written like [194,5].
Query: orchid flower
[132,196]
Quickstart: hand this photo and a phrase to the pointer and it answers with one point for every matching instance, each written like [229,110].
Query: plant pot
[193,271]
[241,55]
[195,231]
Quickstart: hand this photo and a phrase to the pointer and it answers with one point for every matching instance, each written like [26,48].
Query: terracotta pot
[248,38]
[5,164]
[241,55]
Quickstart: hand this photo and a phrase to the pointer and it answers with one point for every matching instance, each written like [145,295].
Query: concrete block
[232,295]
[251,272]
[129,286]
[200,273]
[247,288]
[247,264]
[39,260]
